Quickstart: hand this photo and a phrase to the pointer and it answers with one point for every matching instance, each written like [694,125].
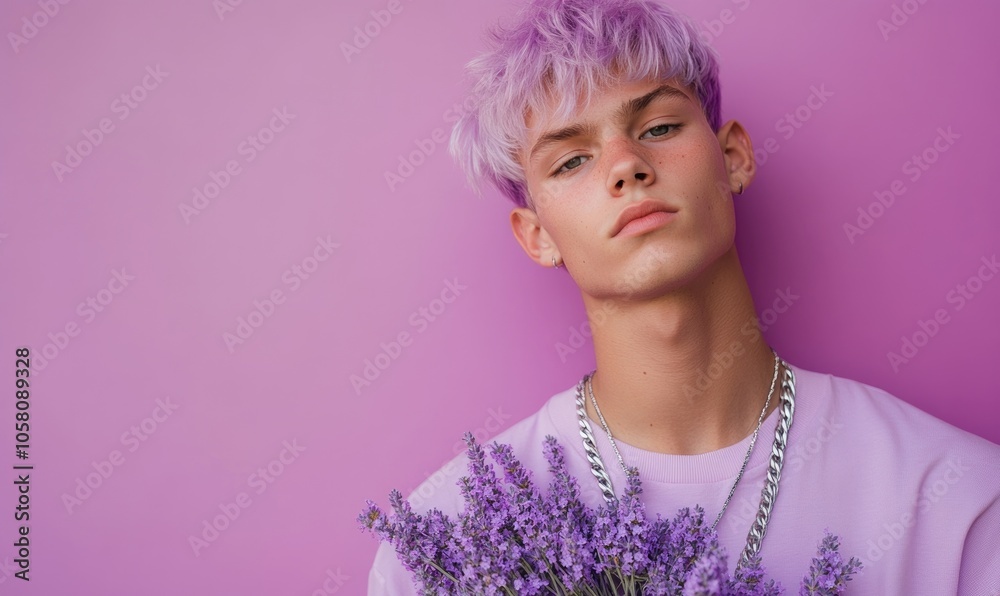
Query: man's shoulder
[915,485]
[890,433]
[878,408]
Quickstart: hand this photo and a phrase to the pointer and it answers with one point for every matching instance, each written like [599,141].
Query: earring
[740,191]
[554,264]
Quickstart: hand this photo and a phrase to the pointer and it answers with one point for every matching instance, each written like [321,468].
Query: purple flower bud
[510,538]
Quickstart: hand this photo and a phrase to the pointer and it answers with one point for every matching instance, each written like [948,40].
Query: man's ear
[532,237]
[737,150]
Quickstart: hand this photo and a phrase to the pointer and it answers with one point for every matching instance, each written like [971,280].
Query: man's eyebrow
[626,111]
[638,104]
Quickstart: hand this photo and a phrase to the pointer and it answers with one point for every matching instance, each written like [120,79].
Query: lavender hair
[570,47]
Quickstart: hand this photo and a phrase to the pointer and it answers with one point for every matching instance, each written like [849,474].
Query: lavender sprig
[511,539]
[828,573]
[569,524]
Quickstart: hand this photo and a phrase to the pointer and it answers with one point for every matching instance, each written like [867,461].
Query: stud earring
[554,264]
[740,191]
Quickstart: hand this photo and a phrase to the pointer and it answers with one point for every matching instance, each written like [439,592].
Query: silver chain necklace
[770,490]
[746,459]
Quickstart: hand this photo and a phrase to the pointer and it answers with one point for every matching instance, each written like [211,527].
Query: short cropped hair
[570,47]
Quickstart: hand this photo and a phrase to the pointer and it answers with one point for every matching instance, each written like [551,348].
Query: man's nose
[630,166]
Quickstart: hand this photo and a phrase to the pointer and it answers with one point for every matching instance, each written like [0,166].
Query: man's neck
[687,373]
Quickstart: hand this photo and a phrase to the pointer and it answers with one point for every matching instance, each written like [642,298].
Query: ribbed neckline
[714,466]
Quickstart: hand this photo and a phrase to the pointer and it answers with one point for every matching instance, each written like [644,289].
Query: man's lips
[640,210]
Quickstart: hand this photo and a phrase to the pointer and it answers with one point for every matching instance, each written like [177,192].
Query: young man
[600,120]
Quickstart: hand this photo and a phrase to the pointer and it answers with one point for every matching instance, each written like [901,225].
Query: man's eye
[665,130]
[561,169]
[660,126]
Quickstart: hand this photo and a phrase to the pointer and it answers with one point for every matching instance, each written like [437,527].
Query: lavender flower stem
[508,539]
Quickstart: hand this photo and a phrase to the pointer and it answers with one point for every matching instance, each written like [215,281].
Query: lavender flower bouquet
[510,539]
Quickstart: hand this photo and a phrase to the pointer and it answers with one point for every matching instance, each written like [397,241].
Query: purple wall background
[490,357]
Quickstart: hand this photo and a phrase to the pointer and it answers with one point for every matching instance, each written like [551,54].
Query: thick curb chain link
[596,465]
[770,490]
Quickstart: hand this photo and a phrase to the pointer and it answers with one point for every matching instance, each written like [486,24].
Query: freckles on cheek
[673,161]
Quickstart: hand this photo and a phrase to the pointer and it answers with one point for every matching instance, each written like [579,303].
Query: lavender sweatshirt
[915,498]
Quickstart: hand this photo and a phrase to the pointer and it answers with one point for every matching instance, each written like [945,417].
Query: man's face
[662,149]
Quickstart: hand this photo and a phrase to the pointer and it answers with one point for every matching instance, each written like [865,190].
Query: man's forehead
[552,99]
